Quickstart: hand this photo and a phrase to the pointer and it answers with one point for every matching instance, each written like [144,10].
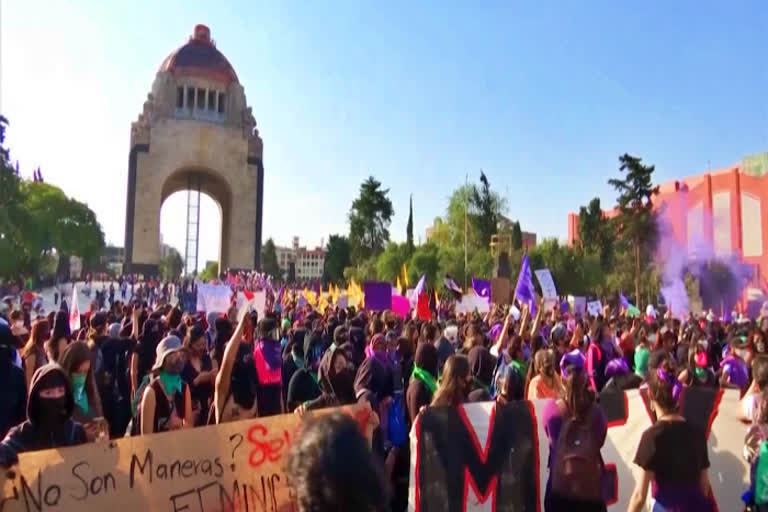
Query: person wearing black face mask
[49,421]
[13,398]
[336,381]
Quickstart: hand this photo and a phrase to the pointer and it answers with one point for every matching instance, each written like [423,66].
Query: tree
[172,265]
[486,209]
[389,264]
[425,260]
[337,258]
[369,220]
[211,271]
[409,228]
[595,233]
[517,236]
[362,271]
[636,221]
[269,264]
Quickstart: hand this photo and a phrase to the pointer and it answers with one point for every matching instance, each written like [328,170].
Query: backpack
[577,466]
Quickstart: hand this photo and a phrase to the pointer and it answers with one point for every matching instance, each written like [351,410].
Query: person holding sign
[49,421]
[166,403]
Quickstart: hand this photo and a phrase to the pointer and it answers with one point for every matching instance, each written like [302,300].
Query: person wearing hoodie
[481,366]
[335,380]
[76,362]
[356,337]
[293,358]
[423,383]
[13,398]
[267,356]
[49,422]
[304,386]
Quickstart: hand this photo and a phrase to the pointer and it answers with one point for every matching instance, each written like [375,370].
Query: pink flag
[74,311]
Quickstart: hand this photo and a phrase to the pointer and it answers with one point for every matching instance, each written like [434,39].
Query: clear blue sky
[543,96]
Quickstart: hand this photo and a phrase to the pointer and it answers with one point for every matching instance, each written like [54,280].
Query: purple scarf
[272,352]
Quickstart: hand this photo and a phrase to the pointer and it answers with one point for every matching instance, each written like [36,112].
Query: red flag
[248,295]
[422,307]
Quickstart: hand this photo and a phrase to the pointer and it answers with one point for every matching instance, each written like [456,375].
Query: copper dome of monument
[200,58]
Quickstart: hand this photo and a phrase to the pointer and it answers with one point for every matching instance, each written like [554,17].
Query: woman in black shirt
[199,374]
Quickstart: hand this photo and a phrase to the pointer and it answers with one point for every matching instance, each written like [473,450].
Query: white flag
[74,311]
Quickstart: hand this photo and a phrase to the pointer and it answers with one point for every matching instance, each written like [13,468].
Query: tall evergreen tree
[636,222]
[369,220]
[409,228]
[269,263]
[517,236]
[486,208]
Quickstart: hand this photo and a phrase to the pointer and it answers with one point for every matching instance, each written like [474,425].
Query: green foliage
[574,271]
[37,218]
[485,209]
[636,221]
[389,264]
[211,271]
[364,270]
[172,265]
[369,220]
[269,264]
[426,260]
[409,228]
[337,258]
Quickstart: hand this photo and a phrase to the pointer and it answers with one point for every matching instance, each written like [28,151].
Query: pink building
[727,207]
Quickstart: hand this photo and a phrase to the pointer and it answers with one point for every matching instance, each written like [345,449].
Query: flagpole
[466,214]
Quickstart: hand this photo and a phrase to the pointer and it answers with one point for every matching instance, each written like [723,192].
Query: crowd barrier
[477,457]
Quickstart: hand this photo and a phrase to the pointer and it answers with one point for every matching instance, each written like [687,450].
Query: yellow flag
[405,276]
[398,285]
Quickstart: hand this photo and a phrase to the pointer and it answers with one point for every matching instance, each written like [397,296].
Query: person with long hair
[481,365]
[574,425]
[199,373]
[455,384]
[235,388]
[672,453]
[33,354]
[423,383]
[76,362]
[545,382]
[60,337]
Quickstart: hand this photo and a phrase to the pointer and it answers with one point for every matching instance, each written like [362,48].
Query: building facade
[723,210]
[307,263]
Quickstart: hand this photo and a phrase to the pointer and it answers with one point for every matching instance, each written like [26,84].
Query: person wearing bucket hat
[167,403]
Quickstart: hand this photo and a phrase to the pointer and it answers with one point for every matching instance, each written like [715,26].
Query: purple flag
[482,287]
[624,301]
[378,295]
[525,290]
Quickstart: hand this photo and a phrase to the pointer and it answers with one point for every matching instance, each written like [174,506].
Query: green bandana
[171,382]
[518,366]
[314,376]
[425,377]
[298,361]
[700,373]
[81,397]
[761,475]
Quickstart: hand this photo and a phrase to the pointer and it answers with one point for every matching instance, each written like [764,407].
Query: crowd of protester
[137,367]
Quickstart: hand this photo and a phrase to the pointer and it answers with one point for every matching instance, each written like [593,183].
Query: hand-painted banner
[595,308]
[483,457]
[229,467]
[470,302]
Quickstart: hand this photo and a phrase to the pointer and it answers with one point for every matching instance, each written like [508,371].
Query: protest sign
[481,456]
[501,290]
[214,297]
[595,307]
[548,289]
[400,306]
[228,467]
[378,295]
[470,302]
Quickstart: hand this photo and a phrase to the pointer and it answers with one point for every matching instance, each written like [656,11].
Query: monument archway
[195,132]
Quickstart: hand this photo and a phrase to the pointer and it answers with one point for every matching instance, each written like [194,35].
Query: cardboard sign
[470,302]
[548,289]
[595,307]
[489,457]
[501,290]
[229,467]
